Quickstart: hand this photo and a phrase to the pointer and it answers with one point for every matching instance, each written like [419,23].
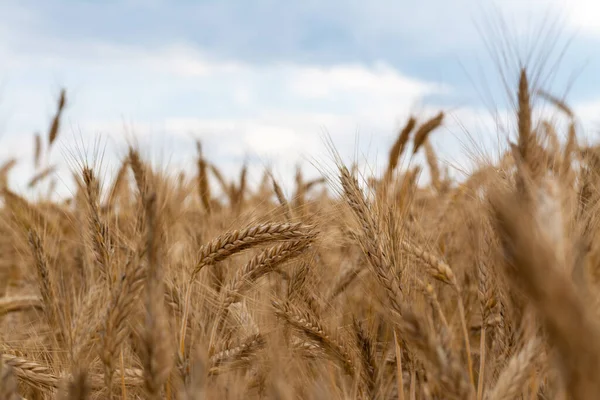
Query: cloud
[269,114]
[320,83]
[252,87]
[311,32]
[583,16]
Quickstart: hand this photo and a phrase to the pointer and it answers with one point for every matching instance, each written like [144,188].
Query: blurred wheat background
[314,224]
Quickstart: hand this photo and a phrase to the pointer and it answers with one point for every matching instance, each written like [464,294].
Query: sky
[269,83]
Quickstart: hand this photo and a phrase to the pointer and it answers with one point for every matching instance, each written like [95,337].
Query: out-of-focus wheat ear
[157,358]
[399,372]
[434,169]
[243,180]
[7,166]
[300,193]
[203,184]
[354,169]
[197,386]
[399,145]
[313,182]
[265,184]
[570,147]
[513,378]
[500,345]
[118,311]
[533,265]
[552,136]
[436,267]
[441,361]
[25,214]
[34,374]
[487,302]
[19,303]
[46,284]
[41,376]
[51,188]
[524,182]
[141,176]
[40,176]
[217,280]
[424,130]
[5,169]
[282,200]
[79,196]
[558,103]
[586,193]
[55,126]
[221,180]
[140,173]
[78,387]
[407,189]
[37,150]
[238,194]
[413,382]
[435,303]
[367,357]
[524,117]
[344,279]
[118,185]
[8,383]
[122,363]
[244,322]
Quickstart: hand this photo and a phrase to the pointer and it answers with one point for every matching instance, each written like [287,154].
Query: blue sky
[262,80]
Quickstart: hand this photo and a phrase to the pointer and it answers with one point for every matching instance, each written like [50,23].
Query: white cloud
[272,140]
[588,110]
[272,113]
[580,16]
[319,82]
[269,113]
[584,15]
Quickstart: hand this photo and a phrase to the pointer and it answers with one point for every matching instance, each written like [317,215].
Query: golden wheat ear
[513,379]
[203,184]
[37,150]
[287,209]
[400,144]
[533,266]
[40,176]
[55,126]
[425,130]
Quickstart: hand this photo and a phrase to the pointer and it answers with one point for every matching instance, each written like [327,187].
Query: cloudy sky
[264,81]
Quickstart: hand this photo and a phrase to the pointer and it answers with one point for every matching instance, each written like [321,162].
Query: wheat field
[354,287]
